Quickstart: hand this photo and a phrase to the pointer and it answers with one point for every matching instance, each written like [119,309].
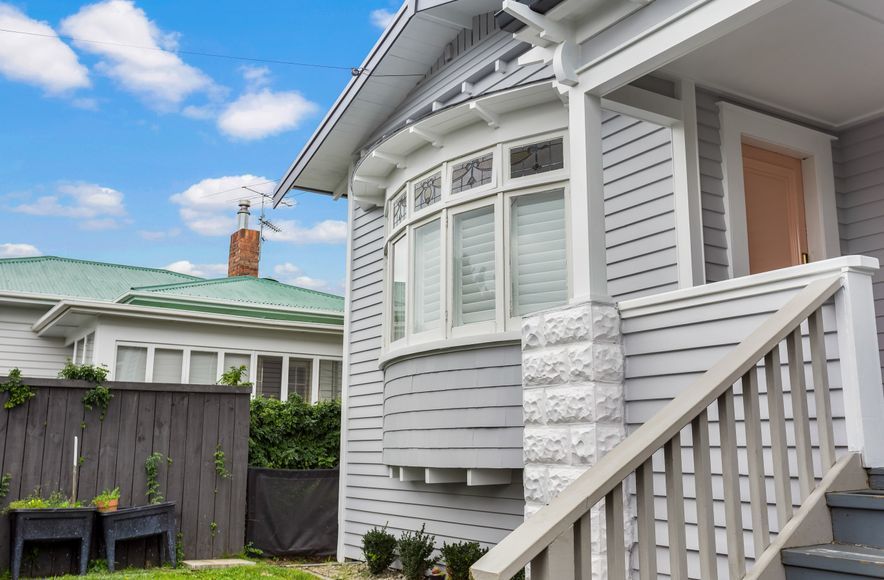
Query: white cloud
[209,206]
[158,75]
[324,232]
[256,115]
[47,63]
[18,250]
[382,18]
[98,207]
[201,270]
[157,235]
[256,76]
[289,273]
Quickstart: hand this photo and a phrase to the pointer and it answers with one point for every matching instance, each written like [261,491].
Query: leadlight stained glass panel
[537,158]
[400,209]
[472,173]
[427,191]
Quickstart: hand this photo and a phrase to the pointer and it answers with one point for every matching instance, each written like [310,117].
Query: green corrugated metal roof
[71,278]
[249,290]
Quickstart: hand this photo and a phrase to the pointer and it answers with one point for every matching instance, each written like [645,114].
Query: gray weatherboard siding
[455,409]
[715,248]
[20,347]
[859,182]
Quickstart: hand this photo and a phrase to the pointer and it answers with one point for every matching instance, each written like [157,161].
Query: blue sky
[118,154]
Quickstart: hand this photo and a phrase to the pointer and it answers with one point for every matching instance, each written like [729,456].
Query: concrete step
[833,562]
[876,478]
[858,517]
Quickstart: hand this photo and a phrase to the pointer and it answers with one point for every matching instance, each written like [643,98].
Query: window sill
[443,345]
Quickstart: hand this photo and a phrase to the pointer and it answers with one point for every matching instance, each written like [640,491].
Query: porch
[751,385]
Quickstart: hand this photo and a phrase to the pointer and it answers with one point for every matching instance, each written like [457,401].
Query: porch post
[588,264]
[860,365]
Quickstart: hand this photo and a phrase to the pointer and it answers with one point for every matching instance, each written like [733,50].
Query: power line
[214,193]
[355,71]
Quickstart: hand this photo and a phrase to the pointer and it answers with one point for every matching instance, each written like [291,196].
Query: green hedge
[294,434]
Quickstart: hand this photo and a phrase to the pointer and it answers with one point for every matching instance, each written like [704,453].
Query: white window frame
[537,178]
[437,333]
[515,322]
[740,125]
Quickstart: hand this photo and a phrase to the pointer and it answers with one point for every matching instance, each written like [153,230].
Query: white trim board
[740,125]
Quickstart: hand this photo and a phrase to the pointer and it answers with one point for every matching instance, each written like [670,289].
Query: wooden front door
[774,210]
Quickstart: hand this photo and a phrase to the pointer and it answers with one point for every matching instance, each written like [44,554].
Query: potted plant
[107,500]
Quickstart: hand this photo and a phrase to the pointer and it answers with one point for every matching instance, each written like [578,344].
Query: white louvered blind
[330,374]
[269,376]
[203,368]
[474,290]
[400,277]
[299,378]
[89,348]
[167,365]
[131,363]
[538,255]
[427,277]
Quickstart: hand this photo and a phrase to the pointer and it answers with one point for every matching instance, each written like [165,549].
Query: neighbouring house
[155,325]
[613,297]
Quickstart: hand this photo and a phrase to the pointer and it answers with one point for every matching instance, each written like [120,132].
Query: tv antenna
[262,219]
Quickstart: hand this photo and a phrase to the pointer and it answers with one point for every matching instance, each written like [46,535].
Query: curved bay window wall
[478,242]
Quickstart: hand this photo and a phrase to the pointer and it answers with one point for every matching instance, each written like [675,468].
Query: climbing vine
[4,485]
[19,393]
[97,397]
[220,463]
[151,467]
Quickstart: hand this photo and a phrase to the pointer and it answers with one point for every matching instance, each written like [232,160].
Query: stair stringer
[812,522]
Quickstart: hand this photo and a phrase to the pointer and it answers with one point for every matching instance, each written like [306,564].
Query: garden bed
[345,571]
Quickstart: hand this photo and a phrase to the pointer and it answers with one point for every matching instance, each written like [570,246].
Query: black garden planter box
[50,525]
[139,522]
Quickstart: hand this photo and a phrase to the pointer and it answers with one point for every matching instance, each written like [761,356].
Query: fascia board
[232,303]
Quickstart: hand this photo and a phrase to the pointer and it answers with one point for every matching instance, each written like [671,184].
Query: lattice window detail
[472,173]
[537,158]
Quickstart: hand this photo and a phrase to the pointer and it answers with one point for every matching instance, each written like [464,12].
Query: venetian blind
[270,376]
[330,372]
[131,363]
[167,365]
[203,368]
[474,266]
[427,277]
[400,276]
[300,372]
[538,254]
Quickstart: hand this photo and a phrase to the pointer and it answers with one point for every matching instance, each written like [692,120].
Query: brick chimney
[245,245]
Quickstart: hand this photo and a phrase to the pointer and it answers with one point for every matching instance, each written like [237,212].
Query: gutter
[175,299]
[29,298]
[64,307]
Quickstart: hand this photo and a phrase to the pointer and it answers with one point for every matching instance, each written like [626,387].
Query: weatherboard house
[613,303]
[160,326]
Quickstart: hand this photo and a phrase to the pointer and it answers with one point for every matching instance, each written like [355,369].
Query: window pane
[269,376]
[131,363]
[427,191]
[203,368]
[539,271]
[400,209]
[536,158]
[427,277]
[89,349]
[78,351]
[474,266]
[232,359]
[472,173]
[300,375]
[400,273]
[167,365]
[330,380]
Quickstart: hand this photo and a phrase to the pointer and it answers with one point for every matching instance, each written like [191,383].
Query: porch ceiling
[820,59]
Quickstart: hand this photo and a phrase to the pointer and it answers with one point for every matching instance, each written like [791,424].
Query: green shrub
[19,393]
[293,434]
[416,553]
[35,501]
[99,396]
[379,549]
[458,558]
[234,377]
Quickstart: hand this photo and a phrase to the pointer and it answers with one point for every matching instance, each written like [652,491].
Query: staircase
[858,531]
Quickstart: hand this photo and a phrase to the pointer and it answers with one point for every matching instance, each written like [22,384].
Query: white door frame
[740,125]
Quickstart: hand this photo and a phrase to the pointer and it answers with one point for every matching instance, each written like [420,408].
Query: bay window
[478,243]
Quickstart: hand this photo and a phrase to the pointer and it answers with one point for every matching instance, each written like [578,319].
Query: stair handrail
[537,533]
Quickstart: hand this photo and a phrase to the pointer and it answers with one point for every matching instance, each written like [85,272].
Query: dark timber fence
[185,423]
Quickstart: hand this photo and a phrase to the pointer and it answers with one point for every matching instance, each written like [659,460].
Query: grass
[259,570]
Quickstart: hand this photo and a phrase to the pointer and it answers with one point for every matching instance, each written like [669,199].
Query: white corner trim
[345,388]
[740,125]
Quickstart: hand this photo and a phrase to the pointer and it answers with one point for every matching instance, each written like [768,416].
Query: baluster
[778,444]
[540,566]
[755,453]
[614,535]
[736,555]
[703,485]
[583,548]
[647,535]
[801,420]
[821,388]
[678,560]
